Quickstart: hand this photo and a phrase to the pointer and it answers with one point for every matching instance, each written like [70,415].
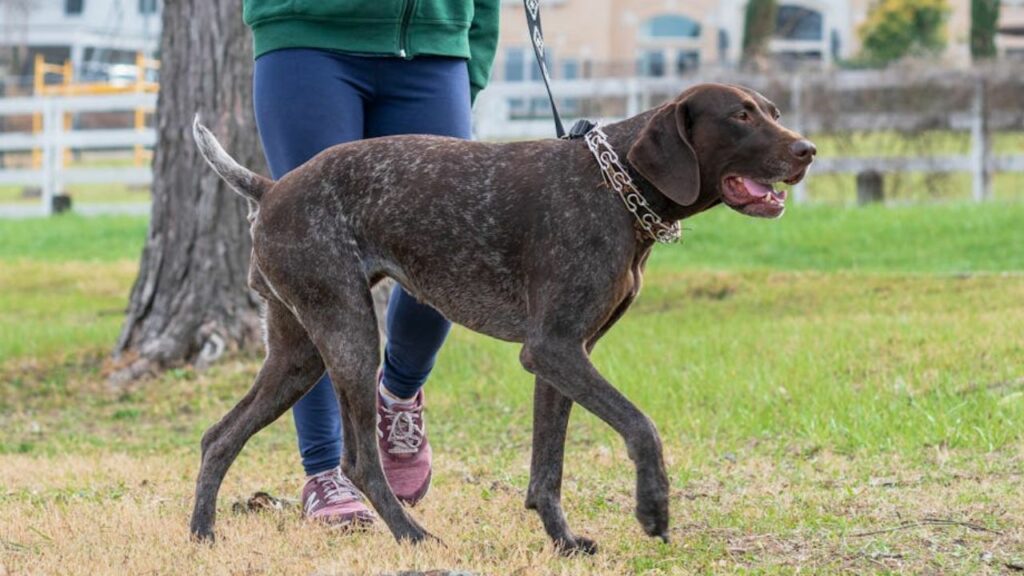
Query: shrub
[895,29]
[984,23]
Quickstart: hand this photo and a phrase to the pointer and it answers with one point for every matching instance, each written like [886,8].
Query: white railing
[52,175]
[495,118]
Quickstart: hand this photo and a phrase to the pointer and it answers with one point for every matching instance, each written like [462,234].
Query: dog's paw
[576,546]
[202,536]
[652,514]
[414,535]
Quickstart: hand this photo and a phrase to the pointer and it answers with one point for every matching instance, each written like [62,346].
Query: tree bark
[190,302]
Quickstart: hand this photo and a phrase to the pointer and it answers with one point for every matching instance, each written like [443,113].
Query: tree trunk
[190,302]
[759,26]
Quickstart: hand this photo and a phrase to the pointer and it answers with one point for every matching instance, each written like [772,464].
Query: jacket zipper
[406,16]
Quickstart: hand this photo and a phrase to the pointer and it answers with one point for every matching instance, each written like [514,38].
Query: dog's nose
[803,149]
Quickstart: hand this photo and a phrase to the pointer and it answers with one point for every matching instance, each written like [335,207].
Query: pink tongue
[756,189]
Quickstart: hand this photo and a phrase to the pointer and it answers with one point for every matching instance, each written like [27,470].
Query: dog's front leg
[565,365]
[550,419]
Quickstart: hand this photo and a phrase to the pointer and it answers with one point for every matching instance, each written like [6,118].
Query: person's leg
[421,96]
[306,101]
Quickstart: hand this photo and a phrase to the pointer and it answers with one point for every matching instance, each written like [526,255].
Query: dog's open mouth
[755,198]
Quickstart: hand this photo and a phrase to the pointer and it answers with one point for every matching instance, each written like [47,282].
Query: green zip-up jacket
[404,28]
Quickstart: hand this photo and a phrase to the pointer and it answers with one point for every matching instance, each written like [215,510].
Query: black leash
[581,127]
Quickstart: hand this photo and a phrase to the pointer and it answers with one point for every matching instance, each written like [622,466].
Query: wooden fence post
[870,187]
[981,143]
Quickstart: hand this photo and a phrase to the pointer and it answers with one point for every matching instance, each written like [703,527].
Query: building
[585,38]
[100,37]
[596,38]
[1010,41]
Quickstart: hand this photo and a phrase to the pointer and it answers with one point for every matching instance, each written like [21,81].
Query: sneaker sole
[415,498]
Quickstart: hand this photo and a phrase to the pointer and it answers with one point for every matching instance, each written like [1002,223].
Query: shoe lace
[337,488]
[404,435]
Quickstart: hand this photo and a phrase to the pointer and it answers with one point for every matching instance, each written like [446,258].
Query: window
[514,60]
[147,6]
[798,23]
[521,64]
[652,63]
[73,7]
[669,46]
[570,69]
[671,26]
[687,61]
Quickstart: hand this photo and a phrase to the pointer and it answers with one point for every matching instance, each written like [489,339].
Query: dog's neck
[621,136]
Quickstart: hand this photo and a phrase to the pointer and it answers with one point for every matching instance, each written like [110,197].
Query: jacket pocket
[460,11]
[254,11]
[352,10]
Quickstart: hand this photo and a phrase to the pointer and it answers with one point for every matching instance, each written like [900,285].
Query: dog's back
[455,222]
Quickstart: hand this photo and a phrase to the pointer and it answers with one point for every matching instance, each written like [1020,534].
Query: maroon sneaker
[404,449]
[331,498]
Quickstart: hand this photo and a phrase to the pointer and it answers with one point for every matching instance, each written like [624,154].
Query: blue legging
[308,100]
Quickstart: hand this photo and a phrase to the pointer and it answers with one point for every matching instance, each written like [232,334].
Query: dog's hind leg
[550,419]
[291,368]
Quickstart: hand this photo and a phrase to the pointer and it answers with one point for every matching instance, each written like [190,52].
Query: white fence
[495,118]
[498,116]
[54,139]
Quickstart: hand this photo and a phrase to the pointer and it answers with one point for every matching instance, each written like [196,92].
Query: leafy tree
[759,26]
[984,23]
[895,29]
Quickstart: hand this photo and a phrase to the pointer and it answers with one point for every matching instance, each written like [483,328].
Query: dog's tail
[244,181]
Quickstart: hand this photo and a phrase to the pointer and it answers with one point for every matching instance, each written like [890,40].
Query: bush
[896,29]
[984,23]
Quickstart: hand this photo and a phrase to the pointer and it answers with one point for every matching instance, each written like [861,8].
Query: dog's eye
[742,116]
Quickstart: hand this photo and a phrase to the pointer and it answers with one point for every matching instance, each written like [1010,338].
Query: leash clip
[580,129]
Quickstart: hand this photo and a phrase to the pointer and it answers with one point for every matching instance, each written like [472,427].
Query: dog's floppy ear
[664,156]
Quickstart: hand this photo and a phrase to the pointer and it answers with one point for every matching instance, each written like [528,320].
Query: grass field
[841,391]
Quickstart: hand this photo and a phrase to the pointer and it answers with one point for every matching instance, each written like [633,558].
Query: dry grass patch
[115,513]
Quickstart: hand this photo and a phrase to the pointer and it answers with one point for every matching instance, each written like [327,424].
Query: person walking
[334,71]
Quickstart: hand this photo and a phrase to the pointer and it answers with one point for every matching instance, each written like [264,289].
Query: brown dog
[523,242]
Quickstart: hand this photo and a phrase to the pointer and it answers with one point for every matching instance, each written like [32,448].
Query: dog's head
[721,140]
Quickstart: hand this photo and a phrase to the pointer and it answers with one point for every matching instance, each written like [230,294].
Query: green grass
[814,379]
[72,238]
[51,310]
[939,238]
